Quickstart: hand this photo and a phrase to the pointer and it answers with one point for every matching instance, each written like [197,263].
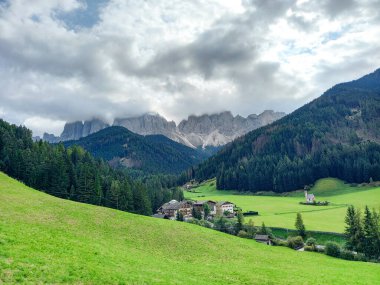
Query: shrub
[242,234]
[332,249]
[309,248]
[347,254]
[311,241]
[295,242]
[360,257]
[280,242]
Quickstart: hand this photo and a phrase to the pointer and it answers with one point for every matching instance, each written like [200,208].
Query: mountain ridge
[334,135]
[197,131]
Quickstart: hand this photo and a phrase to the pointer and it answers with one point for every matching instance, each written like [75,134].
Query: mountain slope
[152,154]
[46,240]
[335,135]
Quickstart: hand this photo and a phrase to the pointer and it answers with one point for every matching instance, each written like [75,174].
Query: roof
[174,205]
[262,237]
[200,203]
[224,203]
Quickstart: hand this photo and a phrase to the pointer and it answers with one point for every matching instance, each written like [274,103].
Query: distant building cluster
[186,208]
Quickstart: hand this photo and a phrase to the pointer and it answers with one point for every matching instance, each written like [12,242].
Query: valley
[280,211]
[50,240]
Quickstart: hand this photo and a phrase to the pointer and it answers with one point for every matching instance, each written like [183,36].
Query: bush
[242,234]
[280,242]
[347,254]
[295,242]
[311,241]
[332,249]
[309,248]
[360,257]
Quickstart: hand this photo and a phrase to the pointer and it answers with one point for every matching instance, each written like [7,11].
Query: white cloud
[178,57]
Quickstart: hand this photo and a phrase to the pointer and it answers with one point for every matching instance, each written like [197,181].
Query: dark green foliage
[347,254]
[300,226]
[363,233]
[148,154]
[240,221]
[206,210]
[196,214]
[295,242]
[311,241]
[335,135]
[354,230]
[73,173]
[332,249]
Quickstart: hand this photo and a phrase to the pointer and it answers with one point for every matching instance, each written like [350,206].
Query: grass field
[279,211]
[46,240]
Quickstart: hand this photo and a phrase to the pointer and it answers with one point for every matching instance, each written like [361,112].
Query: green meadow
[47,240]
[280,211]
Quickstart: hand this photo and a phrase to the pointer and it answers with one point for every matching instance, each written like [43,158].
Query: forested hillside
[336,135]
[150,154]
[73,173]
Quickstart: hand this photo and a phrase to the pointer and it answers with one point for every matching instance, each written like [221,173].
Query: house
[263,239]
[199,206]
[310,198]
[224,206]
[171,208]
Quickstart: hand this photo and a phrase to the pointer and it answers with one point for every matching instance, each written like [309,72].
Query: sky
[67,60]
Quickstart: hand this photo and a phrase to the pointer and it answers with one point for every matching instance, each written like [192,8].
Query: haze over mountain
[336,135]
[197,131]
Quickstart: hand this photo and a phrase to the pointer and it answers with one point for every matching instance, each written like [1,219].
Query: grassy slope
[48,240]
[281,211]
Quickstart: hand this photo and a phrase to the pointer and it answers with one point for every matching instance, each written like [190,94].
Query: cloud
[65,60]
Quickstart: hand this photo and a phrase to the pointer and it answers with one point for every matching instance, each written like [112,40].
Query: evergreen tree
[206,210]
[354,230]
[300,226]
[240,221]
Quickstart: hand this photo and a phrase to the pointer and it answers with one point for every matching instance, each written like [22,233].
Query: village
[188,209]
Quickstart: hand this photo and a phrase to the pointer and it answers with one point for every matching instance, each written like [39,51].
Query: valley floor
[46,240]
[279,211]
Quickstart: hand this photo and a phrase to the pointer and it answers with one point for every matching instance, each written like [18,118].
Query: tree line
[363,232]
[73,173]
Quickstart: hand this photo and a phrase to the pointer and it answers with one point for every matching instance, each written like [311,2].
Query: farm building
[263,239]
[171,208]
[224,206]
[199,206]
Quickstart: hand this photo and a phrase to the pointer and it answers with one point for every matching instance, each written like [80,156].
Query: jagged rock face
[199,131]
[196,131]
[219,129]
[93,126]
[72,131]
[148,124]
[50,138]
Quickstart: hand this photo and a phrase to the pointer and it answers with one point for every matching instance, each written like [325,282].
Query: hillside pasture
[47,240]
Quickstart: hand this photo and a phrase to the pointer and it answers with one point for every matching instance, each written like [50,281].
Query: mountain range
[335,135]
[196,132]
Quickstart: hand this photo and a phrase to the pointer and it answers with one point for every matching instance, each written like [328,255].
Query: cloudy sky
[66,60]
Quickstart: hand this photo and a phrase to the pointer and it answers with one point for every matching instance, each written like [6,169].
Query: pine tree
[240,221]
[354,230]
[300,225]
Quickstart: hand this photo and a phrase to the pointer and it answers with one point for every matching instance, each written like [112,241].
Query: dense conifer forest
[152,154]
[73,173]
